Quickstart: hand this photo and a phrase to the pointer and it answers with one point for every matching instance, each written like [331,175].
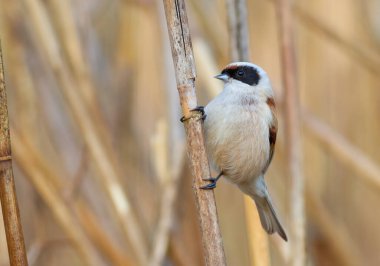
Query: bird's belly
[237,144]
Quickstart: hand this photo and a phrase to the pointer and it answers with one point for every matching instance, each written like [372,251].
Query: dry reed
[182,53]
[292,131]
[9,204]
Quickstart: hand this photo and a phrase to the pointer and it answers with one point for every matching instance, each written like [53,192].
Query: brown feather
[230,67]
[272,131]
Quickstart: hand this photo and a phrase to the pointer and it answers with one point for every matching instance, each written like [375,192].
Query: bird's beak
[223,77]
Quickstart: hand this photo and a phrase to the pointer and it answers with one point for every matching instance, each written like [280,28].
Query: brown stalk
[179,34]
[292,131]
[166,239]
[238,30]
[92,129]
[11,214]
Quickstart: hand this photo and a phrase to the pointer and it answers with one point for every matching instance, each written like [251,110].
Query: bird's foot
[197,113]
[213,180]
[212,185]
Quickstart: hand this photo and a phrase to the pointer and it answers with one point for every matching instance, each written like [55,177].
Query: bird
[240,129]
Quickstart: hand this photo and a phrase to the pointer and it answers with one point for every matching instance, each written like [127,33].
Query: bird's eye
[240,73]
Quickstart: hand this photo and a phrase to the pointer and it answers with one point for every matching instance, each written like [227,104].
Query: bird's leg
[198,110]
[213,180]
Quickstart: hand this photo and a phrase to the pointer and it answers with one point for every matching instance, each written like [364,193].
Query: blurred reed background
[99,161]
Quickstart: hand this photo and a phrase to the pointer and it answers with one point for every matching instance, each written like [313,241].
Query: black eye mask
[246,74]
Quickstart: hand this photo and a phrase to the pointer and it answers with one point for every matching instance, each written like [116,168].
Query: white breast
[237,134]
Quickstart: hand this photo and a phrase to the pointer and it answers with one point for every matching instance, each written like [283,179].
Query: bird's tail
[268,217]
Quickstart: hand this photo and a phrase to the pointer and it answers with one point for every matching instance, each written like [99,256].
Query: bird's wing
[272,131]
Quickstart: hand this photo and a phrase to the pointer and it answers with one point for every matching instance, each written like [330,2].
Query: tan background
[119,51]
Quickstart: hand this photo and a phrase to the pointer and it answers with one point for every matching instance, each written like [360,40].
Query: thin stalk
[238,30]
[292,132]
[11,214]
[179,34]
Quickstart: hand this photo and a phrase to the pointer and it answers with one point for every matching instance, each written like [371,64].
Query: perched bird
[240,129]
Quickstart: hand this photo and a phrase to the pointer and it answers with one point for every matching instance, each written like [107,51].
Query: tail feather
[268,217]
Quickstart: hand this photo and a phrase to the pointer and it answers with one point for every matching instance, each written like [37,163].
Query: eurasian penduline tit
[240,127]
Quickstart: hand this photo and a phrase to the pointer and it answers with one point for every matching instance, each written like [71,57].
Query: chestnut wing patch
[273,127]
[272,140]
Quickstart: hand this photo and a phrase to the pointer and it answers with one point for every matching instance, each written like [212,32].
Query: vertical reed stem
[11,215]
[183,59]
[292,131]
[238,30]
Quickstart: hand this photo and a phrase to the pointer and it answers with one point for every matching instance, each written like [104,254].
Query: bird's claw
[213,180]
[198,110]
[212,185]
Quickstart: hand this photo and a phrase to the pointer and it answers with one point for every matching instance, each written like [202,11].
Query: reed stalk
[292,132]
[179,34]
[9,205]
